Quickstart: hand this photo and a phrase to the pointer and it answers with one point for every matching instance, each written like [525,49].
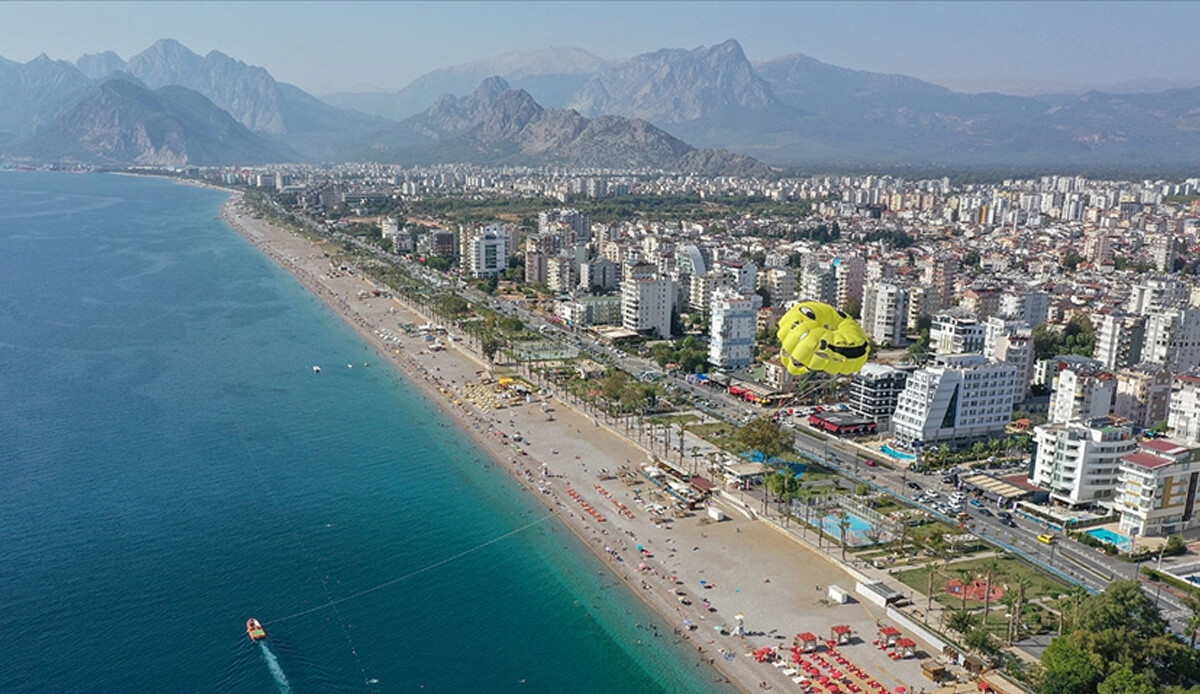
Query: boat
[316,369]
[255,630]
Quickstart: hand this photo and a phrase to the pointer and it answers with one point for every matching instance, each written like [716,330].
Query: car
[1009,522]
[1046,538]
[984,512]
[947,480]
[976,503]
[914,486]
[1004,514]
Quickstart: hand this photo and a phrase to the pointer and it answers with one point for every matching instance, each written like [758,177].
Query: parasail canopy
[818,337]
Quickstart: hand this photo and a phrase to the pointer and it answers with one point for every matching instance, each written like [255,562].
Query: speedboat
[255,630]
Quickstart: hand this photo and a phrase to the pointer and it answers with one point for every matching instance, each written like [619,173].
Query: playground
[976,590]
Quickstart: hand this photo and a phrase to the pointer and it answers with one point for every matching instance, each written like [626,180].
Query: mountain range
[567,106]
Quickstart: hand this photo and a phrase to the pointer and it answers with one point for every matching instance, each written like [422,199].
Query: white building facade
[731,328]
[962,398]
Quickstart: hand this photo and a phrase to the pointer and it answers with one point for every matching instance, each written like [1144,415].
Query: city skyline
[1018,48]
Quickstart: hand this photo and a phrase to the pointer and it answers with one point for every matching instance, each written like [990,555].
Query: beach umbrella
[901,689]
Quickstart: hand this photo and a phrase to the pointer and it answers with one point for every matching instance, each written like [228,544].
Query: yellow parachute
[818,337]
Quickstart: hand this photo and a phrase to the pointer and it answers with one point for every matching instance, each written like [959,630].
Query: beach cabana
[807,642]
[906,647]
[840,633]
[888,636]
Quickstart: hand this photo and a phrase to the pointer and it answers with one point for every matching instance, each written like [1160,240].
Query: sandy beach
[697,574]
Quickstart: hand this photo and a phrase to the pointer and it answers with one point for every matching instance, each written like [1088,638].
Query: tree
[1192,603]
[489,345]
[962,621]
[990,568]
[843,526]
[965,576]
[980,641]
[766,436]
[1126,681]
[853,306]
[1069,669]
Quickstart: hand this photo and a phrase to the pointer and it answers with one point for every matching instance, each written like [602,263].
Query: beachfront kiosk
[905,648]
[840,634]
[806,642]
[888,636]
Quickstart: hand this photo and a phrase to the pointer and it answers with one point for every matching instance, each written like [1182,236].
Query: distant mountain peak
[489,89]
[120,122]
[514,129]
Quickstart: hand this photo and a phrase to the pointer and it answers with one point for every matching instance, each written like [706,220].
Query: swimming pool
[1105,535]
[888,450]
[856,532]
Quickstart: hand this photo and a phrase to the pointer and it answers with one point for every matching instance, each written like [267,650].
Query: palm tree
[933,570]
[1022,583]
[990,568]
[843,525]
[1075,595]
[965,576]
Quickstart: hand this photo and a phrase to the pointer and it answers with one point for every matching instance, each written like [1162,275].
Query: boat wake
[276,669]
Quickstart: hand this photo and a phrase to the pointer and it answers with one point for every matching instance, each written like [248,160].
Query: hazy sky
[1017,47]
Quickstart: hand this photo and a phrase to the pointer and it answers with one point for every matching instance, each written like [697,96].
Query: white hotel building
[962,398]
[731,328]
[1079,462]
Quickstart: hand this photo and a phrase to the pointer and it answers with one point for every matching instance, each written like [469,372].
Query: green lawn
[1043,585]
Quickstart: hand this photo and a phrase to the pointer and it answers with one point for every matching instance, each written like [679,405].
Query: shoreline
[719,569]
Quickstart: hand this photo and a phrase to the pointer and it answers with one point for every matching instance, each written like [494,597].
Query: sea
[171,465]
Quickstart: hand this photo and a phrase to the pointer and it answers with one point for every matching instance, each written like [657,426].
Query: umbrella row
[620,506]
[585,505]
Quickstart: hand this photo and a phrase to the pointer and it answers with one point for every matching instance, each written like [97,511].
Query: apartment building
[1079,462]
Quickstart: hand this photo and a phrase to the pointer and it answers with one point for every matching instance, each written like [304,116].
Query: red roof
[1147,460]
[906,643]
[807,636]
[890,631]
[841,629]
[1170,448]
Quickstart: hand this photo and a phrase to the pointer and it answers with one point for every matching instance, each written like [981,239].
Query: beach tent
[888,636]
[840,633]
[907,647]
[807,641]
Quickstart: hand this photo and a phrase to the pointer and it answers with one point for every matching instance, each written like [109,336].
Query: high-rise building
[1173,339]
[1119,339]
[1079,461]
[1183,412]
[956,331]
[1030,307]
[1157,293]
[1162,252]
[885,313]
[488,253]
[1143,395]
[580,223]
[959,399]
[818,282]
[731,328]
[1082,394]
[849,272]
[1157,489]
[874,391]
[647,300]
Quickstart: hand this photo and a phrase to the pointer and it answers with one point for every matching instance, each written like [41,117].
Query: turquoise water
[1105,535]
[900,455]
[855,532]
[172,466]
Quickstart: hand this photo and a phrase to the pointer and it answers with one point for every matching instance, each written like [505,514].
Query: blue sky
[1016,47]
